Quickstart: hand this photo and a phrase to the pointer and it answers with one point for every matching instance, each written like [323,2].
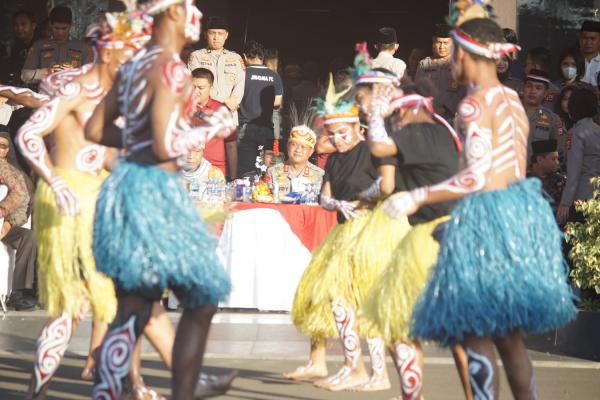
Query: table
[265,248]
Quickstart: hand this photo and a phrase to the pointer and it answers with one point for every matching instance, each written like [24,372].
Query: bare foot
[376,383]
[307,372]
[346,378]
[88,374]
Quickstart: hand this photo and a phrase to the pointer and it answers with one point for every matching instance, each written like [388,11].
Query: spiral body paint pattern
[377,351]
[411,381]
[115,358]
[345,320]
[51,346]
[481,372]
[29,139]
[175,75]
[90,158]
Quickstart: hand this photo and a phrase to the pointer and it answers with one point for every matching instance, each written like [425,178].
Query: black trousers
[23,241]
[250,137]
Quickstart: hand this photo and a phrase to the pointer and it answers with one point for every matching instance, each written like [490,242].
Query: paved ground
[261,347]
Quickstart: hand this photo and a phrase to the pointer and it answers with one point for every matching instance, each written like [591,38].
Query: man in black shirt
[24,25]
[263,93]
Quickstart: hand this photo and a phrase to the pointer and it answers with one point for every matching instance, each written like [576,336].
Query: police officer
[57,53]
[297,174]
[583,153]
[545,165]
[543,123]
[437,70]
[226,66]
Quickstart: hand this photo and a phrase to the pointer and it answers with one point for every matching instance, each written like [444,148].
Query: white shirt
[389,62]
[592,68]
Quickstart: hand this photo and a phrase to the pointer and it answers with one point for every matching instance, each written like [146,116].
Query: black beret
[590,26]
[61,14]
[544,146]
[387,35]
[215,22]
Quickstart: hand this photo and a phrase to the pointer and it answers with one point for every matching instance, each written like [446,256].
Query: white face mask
[569,72]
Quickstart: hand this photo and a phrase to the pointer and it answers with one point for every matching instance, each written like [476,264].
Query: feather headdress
[333,109]
[129,28]
[302,120]
[465,10]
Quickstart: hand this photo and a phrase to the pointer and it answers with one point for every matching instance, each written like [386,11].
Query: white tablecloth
[264,259]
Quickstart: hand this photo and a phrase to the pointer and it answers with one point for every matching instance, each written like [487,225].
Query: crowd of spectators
[560,96]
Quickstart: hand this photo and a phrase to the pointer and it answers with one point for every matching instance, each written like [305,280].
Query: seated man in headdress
[297,174]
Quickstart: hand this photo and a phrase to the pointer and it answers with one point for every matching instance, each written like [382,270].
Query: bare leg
[517,365]
[115,353]
[160,333]
[483,370]
[460,360]
[188,351]
[379,377]
[50,348]
[98,331]
[316,367]
[408,359]
[353,373]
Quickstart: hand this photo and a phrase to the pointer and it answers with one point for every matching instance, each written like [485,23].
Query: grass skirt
[372,253]
[312,314]
[149,234]
[388,308]
[500,268]
[66,270]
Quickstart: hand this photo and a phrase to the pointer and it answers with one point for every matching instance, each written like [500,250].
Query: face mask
[569,72]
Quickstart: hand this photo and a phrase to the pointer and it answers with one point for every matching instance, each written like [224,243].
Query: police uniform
[450,93]
[282,177]
[551,96]
[227,68]
[46,52]
[543,125]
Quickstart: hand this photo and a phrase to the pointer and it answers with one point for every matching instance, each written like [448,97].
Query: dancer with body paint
[70,179]
[427,151]
[148,235]
[500,271]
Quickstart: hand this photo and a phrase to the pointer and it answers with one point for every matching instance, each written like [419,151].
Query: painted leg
[353,373]
[483,371]
[379,377]
[408,360]
[517,365]
[98,332]
[115,354]
[50,348]
[462,367]
[316,367]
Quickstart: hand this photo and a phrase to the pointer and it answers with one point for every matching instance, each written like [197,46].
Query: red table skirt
[311,224]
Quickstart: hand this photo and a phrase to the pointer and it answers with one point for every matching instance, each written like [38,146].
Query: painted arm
[170,119]
[470,180]
[100,127]
[378,139]
[31,143]
[23,96]
[330,204]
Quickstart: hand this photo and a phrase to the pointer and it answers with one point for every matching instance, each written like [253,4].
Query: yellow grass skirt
[388,308]
[372,253]
[313,315]
[67,274]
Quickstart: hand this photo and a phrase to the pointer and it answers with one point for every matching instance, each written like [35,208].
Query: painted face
[363,98]
[193,18]
[342,136]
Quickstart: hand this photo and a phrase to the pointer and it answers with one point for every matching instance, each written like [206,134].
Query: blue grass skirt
[500,268]
[148,234]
